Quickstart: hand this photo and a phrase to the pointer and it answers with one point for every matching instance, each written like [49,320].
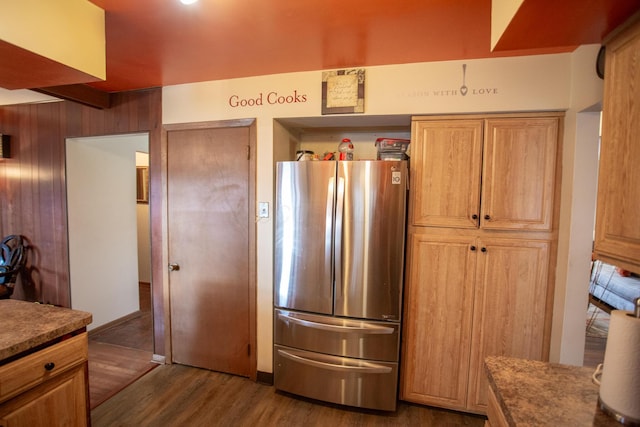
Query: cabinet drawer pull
[49,366]
[484,249]
[487,217]
[473,248]
[474,216]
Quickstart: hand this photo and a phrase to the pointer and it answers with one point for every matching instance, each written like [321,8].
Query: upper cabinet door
[617,237]
[519,173]
[446,181]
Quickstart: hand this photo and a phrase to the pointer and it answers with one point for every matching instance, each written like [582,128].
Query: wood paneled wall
[33,199]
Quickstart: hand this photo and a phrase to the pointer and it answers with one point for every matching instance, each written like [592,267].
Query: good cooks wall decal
[299,97]
[270,98]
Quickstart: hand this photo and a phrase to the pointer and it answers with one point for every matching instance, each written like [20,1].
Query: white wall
[101,205]
[532,83]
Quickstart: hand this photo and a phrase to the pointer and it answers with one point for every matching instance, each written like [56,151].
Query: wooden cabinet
[496,173]
[510,311]
[617,237]
[470,297]
[495,416]
[478,286]
[47,388]
[438,315]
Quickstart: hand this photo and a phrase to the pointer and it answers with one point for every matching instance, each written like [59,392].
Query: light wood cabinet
[478,286]
[470,297]
[495,416]
[496,173]
[48,387]
[617,237]
[438,316]
[510,306]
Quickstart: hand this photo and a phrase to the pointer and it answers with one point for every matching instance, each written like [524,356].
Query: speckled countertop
[533,393]
[25,325]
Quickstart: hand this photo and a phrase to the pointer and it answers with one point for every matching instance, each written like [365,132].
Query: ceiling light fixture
[188,1]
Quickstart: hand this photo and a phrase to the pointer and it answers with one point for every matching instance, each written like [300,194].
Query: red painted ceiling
[162,42]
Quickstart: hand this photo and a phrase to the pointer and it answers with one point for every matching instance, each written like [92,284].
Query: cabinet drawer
[38,367]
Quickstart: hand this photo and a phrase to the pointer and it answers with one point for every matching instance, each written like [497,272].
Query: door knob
[174,267]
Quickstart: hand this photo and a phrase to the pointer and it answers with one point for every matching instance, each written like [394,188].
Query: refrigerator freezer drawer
[341,380]
[338,336]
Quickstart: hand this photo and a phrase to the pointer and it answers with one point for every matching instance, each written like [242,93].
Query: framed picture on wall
[343,91]
[142,184]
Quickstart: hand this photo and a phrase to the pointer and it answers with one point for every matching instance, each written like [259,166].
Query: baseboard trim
[159,359]
[113,323]
[265,378]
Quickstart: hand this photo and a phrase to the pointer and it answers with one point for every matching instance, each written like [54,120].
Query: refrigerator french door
[338,274]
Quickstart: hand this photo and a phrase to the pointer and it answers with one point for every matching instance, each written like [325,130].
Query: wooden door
[437,320]
[617,239]
[209,220]
[510,308]
[446,181]
[518,178]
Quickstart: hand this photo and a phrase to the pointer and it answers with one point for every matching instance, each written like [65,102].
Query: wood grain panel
[510,306]
[438,313]
[617,239]
[518,178]
[448,181]
[33,197]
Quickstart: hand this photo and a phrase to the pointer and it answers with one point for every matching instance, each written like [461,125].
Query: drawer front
[337,336]
[36,368]
[341,380]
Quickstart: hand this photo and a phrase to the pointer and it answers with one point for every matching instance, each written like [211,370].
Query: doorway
[109,257]
[103,225]
[211,245]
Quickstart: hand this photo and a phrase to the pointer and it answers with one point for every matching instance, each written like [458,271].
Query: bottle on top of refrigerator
[346,149]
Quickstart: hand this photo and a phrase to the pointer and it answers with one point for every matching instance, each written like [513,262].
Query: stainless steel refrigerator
[338,275]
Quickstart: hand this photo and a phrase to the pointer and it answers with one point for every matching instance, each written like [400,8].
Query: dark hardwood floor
[177,395]
[126,390]
[121,352]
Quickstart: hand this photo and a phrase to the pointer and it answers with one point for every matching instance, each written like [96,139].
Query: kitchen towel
[620,381]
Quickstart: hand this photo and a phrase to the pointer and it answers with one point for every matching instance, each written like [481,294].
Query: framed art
[343,91]
[142,184]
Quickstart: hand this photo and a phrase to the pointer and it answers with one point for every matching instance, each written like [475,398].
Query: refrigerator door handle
[328,224]
[371,329]
[338,235]
[370,368]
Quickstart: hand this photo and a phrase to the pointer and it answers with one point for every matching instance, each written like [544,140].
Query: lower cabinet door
[61,401]
[341,380]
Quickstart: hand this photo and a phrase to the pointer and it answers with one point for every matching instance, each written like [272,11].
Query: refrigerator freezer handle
[372,330]
[371,369]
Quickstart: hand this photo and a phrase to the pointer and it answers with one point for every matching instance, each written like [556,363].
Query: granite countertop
[25,325]
[535,393]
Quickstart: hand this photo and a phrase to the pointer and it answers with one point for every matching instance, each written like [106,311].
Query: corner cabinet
[481,251]
[617,236]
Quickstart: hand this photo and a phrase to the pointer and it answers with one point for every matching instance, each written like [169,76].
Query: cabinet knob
[174,267]
[474,216]
[49,366]
[473,248]
[484,249]
[487,217]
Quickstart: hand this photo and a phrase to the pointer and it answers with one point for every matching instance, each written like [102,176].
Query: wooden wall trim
[33,196]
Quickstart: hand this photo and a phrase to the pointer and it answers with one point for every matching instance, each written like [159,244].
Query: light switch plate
[263,209]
